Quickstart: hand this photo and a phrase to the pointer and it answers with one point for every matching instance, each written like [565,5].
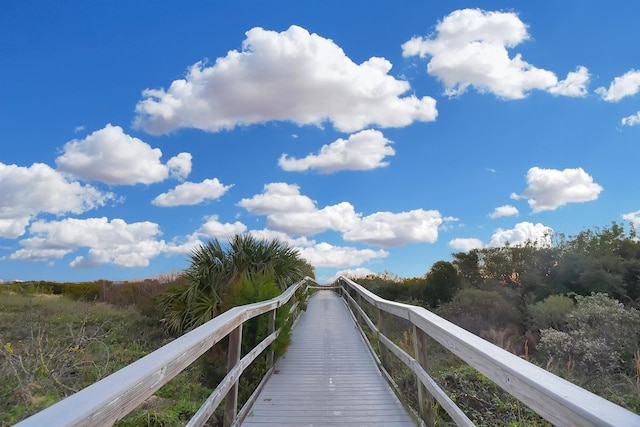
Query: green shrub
[550,313]
[599,339]
[480,311]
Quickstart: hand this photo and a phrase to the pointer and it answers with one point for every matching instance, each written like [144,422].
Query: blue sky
[373,136]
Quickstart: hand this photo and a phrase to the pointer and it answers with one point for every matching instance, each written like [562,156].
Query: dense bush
[600,338]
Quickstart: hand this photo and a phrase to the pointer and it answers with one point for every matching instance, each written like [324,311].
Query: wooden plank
[327,376]
[559,401]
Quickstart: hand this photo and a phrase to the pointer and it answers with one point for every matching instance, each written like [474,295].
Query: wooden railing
[557,400]
[109,400]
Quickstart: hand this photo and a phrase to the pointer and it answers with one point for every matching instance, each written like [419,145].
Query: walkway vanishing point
[327,376]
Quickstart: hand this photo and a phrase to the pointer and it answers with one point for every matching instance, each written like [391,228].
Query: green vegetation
[215,272]
[571,308]
[57,338]
[52,346]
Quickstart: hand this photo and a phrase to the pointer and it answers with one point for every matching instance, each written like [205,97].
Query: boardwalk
[327,377]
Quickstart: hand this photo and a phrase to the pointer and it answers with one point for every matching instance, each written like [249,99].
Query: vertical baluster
[383,330]
[427,412]
[272,328]
[233,357]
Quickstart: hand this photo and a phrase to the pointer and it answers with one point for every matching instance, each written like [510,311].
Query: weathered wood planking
[327,376]
[559,401]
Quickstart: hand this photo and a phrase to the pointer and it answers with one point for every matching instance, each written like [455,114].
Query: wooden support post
[426,401]
[382,329]
[233,357]
[272,329]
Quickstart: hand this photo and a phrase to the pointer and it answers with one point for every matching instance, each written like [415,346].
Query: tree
[441,283]
[600,260]
[468,265]
[216,272]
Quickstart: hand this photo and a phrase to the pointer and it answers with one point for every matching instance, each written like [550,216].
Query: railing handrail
[110,399]
[557,400]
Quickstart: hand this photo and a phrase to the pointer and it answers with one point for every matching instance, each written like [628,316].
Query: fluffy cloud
[327,255]
[506,210]
[339,217]
[634,218]
[361,151]
[469,48]
[466,244]
[290,212]
[322,254]
[111,156]
[387,229]
[574,85]
[278,197]
[29,191]
[179,167]
[549,189]
[109,242]
[522,233]
[191,193]
[622,86]
[632,120]
[214,229]
[292,75]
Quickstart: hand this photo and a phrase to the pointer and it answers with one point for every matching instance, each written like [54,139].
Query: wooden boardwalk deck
[327,376]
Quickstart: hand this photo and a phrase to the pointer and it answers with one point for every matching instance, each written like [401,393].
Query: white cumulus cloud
[111,156]
[361,151]
[574,85]
[634,218]
[626,85]
[549,189]
[470,48]
[278,197]
[214,229]
[506,210]
[388,229]
[180,166]
[291,75]
[29,191]
[290,212]
[327,255]
[192,193]
[466,244]
[522,233]
[109,242]
[632,120]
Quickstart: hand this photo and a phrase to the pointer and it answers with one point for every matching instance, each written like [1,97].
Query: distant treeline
[601,260]
[140,293]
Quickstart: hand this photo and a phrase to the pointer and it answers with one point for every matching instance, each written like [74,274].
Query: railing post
[272,329]
[426,401]
[382,329]
[359,302]
[233,357]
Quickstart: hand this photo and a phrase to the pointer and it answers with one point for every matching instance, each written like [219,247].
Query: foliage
[480,311]
[550,313]
[441,284]
[599,337]
[52,346]
[485,403]
[214,271]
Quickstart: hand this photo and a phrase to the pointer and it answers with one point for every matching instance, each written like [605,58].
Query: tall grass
[52,346]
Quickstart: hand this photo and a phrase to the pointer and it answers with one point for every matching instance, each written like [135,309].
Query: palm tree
[215,271]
